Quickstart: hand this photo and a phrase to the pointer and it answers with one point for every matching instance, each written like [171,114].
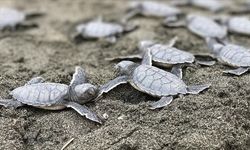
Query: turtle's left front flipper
[196,89]
[84,111]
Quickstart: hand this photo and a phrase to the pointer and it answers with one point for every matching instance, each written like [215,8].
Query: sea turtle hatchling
[165,55]
[151,9]
[151,80]
[11,18]
[212,5]
[232,55]
[235,24]
[99,29]
[56,96]
[200,25]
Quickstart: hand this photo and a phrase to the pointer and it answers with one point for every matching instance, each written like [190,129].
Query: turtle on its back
[56,96]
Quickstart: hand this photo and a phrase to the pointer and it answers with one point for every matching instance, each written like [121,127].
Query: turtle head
[124,67]
[143,45]
[86,92]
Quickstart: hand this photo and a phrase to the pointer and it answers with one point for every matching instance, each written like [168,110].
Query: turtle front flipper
[129,57]
[84,111]
[79,77]
[238,71]
[35,80]
[10,103]
[177,70]
[164,101]
[147,58]
[196,89]
[112,84]
[173,22]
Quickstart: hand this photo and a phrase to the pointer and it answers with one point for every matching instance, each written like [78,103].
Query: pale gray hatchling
[232,55]
[200,25]
[151,9]
[99,29]
[56,96]
[151,80]
[212,5]
[165,55]
[11,18]
[236,24]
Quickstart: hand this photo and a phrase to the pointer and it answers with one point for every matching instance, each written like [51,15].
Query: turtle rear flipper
[33,15]
[196,89]
[238,71]
[129,57]
[164,101]
[84,111]
[10,103]
[35,80]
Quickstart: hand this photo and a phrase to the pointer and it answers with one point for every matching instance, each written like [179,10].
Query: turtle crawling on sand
[99,29]
[11,18]
[200,25]
[212,5]
[235,24]
[151,9]
[232,55]
[56,96]
[151,80]
[164,55]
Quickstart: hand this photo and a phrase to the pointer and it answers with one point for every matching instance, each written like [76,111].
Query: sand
[218,118]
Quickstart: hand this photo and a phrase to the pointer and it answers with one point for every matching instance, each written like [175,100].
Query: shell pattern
[170,55]
[42,94]
[157,82]
[239,25]
[97,29]
[205,27]
[150,8]
[235,55]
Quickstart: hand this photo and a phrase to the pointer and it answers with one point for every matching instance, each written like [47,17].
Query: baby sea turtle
[165,55]
[200,25]
[230,54]
[56,96]
[151,80]
[99,29]
[236,24]
[212,5]
[151,9]
[11,18]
